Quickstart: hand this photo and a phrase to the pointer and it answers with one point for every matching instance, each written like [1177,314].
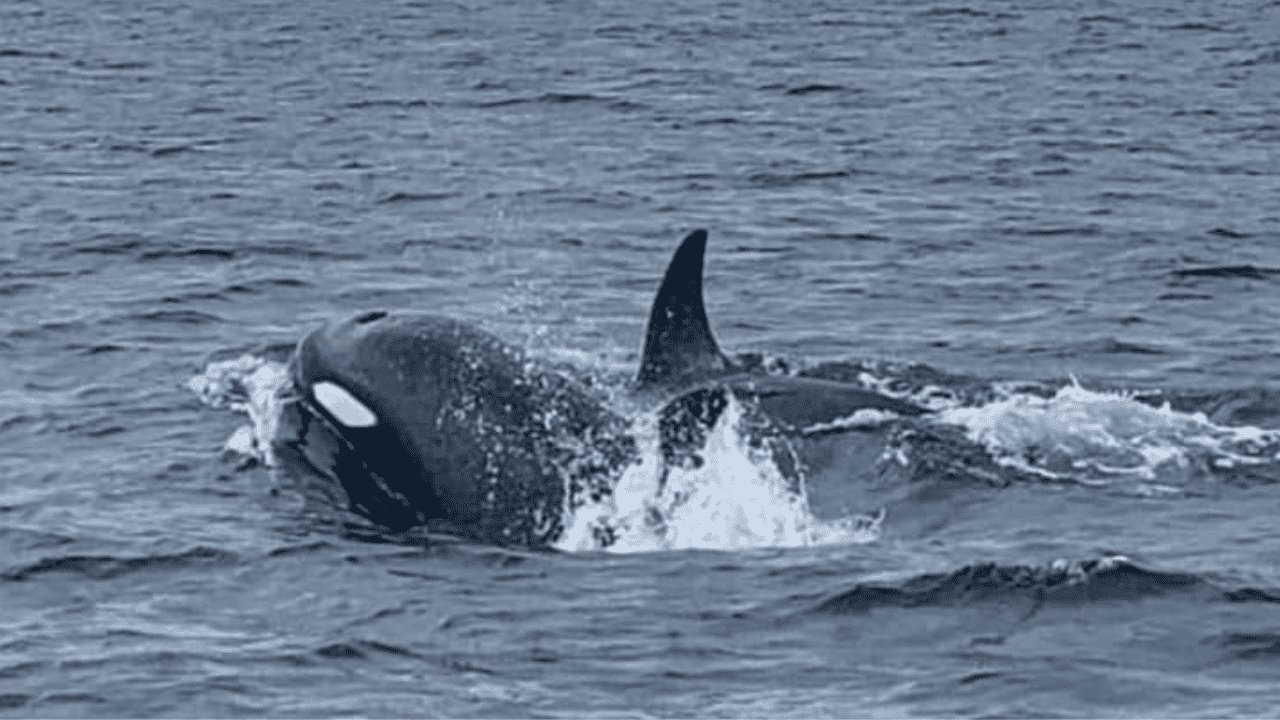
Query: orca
[428,421]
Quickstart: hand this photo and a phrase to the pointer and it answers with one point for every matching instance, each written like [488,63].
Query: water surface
[1045,221]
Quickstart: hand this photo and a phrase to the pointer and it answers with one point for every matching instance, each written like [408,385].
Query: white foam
[863,419]
[250,385]
[343,406]
[1090,435]
[736,499]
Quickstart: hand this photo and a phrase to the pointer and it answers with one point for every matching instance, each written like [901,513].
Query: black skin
[469,430]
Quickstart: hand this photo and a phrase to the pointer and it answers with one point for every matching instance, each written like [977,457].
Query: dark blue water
[1057,226]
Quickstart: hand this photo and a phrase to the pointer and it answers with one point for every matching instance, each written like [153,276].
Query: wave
[411,197]
[814,88]
[1247,272]
[779,180]
[25,53]
[251,286]
[362,650]
[148,249]
[1252,645]
[175,316]
[103,567]
[562,98]
[1109,579]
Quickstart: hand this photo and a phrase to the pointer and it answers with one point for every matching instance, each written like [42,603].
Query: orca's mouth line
[296,395]
[299,397]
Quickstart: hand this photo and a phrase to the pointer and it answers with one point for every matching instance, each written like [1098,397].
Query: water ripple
[103,567]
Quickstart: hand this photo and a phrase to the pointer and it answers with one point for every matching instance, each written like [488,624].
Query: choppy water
[1056,225]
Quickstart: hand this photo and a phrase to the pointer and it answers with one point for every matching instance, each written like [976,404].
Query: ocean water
[1055,225]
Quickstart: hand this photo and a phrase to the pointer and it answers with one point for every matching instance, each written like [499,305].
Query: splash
[736,499]
[250,385]
[1093,436]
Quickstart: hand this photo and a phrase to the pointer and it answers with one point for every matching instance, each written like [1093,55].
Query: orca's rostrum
[425,420]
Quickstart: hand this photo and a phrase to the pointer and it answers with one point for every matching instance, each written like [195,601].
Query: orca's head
[363,410]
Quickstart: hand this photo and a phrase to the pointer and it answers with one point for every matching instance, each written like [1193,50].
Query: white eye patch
[342,406]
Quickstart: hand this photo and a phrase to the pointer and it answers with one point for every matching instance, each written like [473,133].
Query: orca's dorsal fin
[678,344]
